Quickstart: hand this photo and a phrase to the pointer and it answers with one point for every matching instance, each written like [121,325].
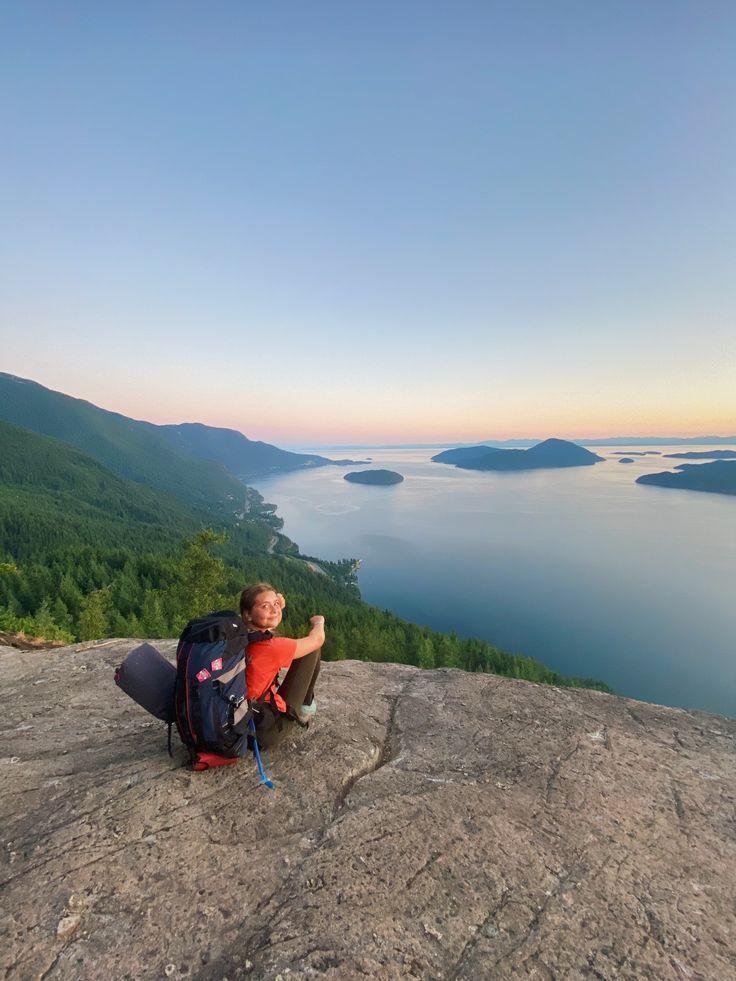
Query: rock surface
[428,824]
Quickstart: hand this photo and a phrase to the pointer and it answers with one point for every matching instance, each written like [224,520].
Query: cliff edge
[428,824]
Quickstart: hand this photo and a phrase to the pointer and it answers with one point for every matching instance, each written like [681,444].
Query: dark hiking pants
[296,689]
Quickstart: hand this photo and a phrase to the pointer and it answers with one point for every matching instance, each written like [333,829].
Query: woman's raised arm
[314,639]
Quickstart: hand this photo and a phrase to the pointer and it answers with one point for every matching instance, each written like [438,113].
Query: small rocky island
[379,477]
[549,454]
[716,478]
[626,459]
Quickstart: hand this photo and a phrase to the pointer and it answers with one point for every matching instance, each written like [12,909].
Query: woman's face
[265,614]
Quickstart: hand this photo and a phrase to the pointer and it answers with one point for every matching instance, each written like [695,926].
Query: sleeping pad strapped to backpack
[210,699]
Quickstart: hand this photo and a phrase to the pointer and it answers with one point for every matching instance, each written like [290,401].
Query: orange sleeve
[283,650]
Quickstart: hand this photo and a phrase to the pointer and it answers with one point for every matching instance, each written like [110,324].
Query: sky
[388,221]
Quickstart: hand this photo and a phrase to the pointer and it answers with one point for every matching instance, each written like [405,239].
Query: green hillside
[242,456]
[128,448]
[74,537]
[51,493]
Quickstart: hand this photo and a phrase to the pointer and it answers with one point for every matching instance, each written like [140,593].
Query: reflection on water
[335,509]
[582,568]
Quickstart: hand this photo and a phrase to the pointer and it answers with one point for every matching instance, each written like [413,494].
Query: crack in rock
[372,764]
[573,875]
[636,717]
[379,757]
[427,865]
[679,806]
[481,931]
[556,767]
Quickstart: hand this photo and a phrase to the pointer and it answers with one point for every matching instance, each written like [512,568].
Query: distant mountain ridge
[526,442]
[628,441]
[127,448]
[242,456]
[549,454]
[196,463]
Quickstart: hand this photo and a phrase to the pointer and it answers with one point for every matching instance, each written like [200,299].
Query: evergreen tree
[426,653]
[60,614]
[201,575]
[45,626]
[153,623]
[94,617]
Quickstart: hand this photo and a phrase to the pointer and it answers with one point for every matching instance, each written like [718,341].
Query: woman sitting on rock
[261,608]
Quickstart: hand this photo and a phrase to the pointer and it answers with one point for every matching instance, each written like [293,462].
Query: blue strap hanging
[257,754]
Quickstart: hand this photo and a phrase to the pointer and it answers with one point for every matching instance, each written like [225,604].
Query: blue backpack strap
[257,754]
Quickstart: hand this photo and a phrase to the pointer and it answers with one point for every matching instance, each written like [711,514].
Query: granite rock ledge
[428,824]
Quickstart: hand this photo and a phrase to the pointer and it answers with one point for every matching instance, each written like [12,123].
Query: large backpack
[211,707]
[205,694]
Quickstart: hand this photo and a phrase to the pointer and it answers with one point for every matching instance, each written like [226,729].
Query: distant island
[704,455]
[716,478]
[644,453]
[626,459]
[549,454]
[379,477]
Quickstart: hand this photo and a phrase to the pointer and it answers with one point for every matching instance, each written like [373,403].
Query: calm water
[581,568]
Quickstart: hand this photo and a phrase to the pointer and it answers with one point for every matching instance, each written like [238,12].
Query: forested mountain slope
[128,448]
[51,493]
[146,452]
[242,456]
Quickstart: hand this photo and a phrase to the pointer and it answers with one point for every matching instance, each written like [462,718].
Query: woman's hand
[314,639]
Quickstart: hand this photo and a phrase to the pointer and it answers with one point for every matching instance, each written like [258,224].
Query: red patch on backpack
[203,675]
[205,761]
[216,664]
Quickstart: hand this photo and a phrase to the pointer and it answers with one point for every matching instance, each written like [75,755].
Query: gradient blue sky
[381,221]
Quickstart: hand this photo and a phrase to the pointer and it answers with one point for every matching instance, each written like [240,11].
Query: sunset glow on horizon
[295,425]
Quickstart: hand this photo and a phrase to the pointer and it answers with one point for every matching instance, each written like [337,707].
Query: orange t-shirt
[266,659]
